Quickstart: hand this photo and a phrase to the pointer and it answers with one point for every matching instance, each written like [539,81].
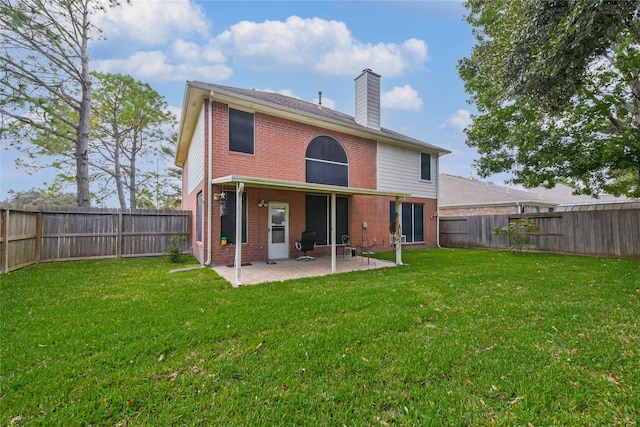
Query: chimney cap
[368,71]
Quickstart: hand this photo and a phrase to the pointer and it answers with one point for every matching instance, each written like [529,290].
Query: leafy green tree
[52,196]
[557,88]
[516,233]
[44,74]
[132,132]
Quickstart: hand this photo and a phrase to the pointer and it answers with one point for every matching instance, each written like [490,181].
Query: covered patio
[241,183]
[276,271]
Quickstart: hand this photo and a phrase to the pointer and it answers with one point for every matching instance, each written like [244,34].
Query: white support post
[238,260]
[398,232]
[333,232]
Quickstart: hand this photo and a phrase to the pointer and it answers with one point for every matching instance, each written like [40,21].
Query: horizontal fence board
[598,232]
[43,234]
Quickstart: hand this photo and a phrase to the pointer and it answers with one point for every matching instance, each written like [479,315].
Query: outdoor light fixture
[262,203]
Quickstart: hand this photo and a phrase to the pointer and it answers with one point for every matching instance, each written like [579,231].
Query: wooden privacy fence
[31,235]
[599,230]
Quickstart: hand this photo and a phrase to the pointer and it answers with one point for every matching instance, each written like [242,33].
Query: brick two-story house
[260,168]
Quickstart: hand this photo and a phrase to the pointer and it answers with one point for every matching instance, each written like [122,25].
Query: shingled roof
[299,106]
[459,191]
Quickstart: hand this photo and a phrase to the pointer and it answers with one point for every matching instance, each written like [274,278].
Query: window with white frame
[327,162]
[228,218]
[411,217]
[318,217]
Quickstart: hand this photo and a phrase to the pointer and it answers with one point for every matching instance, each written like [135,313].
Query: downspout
[208,183]
[438,203]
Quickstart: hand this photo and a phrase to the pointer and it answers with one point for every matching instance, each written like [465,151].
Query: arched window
[327,162]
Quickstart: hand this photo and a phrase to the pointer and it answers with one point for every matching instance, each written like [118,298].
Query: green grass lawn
[455,337]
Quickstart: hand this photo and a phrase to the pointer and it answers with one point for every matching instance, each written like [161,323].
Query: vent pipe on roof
[368,99]
[320,99]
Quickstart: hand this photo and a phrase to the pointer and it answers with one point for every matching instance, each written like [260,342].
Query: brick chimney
[368,99]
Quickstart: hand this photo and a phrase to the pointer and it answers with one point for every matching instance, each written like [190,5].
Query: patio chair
[346,246]
[306,243]
[366,250]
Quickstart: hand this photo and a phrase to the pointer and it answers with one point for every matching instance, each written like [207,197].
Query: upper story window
[327,162]
[425,167]
[241,131]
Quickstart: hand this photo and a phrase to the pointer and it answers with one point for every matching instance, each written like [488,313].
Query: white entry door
[278,230]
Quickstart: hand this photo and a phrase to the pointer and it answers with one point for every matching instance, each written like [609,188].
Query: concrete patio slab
[261,271]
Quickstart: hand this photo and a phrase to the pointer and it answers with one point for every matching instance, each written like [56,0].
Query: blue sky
[298,48]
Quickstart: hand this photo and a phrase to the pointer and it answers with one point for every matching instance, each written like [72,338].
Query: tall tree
[132,132]
[44,73]
[132,141]
[557,87]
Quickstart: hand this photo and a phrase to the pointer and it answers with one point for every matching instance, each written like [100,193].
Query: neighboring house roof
[564,195]
[456,191]
[280,106]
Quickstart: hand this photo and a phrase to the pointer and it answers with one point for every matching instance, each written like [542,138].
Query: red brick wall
[375,212]
[479,210]
[280,147]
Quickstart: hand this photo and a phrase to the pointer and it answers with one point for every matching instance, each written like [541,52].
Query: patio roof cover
[241,182]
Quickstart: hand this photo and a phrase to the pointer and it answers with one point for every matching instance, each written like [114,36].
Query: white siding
[399,170]
[195,158]
[368,100]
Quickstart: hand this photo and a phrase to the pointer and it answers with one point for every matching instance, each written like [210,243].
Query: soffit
[302,186]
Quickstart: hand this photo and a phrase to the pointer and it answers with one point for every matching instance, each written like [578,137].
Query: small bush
[174,251]
[516,233]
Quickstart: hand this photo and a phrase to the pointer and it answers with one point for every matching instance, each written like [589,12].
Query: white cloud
[403,98]
[153,22]
[325,46]
[156,65]
[460,120]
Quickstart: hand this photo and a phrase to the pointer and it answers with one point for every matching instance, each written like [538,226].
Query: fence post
[38,237]
[5,241]
[119,238]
